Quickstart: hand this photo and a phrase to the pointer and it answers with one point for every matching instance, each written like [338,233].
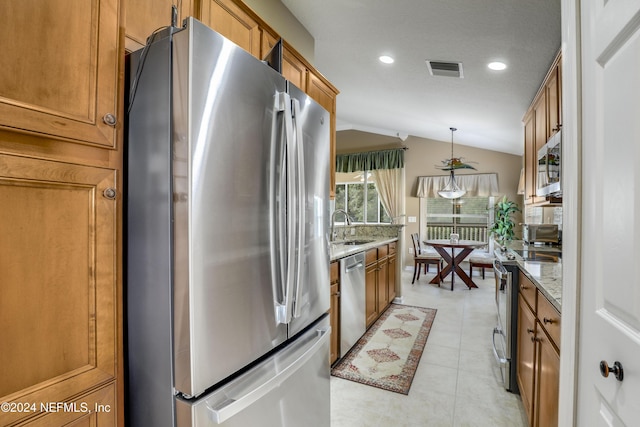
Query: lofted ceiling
[402,98]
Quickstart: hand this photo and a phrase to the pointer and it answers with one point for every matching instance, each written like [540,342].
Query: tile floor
[456,381]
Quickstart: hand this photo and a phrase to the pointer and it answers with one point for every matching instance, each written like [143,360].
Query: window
[351,195]
[468,216]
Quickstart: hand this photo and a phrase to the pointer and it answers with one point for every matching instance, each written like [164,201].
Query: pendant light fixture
[452,190]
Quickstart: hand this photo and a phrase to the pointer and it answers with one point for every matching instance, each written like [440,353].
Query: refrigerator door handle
[300,203]
[278,208]
[291,208]
[250,392]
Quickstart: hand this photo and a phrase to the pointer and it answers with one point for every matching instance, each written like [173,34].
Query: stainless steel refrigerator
[227,265]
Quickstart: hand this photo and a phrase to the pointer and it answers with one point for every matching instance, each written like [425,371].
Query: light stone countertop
[547,276]
[337,250]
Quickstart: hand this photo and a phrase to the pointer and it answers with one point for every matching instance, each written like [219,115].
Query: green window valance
[371,160]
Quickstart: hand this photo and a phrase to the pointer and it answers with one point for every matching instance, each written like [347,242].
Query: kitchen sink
[356,242]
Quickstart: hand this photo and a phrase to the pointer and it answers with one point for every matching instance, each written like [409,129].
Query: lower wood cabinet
[378,292]
[59,300]
[538,364]
[334,311]
[391,281]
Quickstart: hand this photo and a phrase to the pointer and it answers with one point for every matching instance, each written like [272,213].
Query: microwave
[549,167]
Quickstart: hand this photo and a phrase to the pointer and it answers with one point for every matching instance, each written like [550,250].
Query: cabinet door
[295,71]
[548,383]
[526,356]
[225,17]
[61,80]
[554,107]
[96,409]
[143,17]
[540,113]
[335,312]
[530,159]
[371,303]
[392,278]
[335,322]
[383,284]
[58,310]
[326,96]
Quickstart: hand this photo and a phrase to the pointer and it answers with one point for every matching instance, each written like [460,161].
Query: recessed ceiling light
[386,59]
[497,66]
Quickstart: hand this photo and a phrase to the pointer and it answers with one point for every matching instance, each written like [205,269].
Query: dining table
[453,259]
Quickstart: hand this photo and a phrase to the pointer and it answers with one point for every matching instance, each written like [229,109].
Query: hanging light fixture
[452,190]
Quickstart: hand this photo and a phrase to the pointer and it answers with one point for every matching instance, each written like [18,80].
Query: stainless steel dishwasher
[352,301]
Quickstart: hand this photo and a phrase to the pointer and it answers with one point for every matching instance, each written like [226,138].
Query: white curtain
[476,185]
[390,185]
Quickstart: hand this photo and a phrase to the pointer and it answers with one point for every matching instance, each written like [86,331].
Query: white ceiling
[403,98]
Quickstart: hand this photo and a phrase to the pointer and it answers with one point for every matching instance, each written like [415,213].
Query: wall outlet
[353,231]
[410,251]
[412,219]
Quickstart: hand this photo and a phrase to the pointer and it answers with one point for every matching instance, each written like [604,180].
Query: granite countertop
[338,250]
[547,276]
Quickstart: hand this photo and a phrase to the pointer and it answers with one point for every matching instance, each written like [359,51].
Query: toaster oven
[540,233]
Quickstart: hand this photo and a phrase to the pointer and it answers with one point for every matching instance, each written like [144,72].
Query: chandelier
[451,190]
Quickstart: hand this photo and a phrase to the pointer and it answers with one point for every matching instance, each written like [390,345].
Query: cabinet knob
[546,320]
[110,193]
[529,330]
[109,119]
[616,369]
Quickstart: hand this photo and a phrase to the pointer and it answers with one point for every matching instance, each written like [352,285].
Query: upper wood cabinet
[61,68]
[541,121]
[58,256]
[230,20]
[143,17]
[325,94]
[553,92]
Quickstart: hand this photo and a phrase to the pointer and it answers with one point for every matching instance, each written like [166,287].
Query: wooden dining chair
[421,258]
[480,262]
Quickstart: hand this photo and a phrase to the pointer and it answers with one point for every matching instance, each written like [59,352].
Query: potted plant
[503,224]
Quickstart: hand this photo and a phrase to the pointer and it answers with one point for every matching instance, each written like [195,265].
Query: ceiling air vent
[445,68]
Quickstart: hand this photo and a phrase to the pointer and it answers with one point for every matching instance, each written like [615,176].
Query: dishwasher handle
[350,268]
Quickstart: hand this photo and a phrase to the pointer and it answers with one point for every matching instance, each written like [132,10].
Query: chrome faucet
[333,223]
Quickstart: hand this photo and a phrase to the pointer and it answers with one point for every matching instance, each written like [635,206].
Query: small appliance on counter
[541,233]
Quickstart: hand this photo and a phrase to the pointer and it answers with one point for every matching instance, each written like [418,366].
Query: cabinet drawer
[392,248]
[371,256]
[335,271]
[528,291]
[549,318]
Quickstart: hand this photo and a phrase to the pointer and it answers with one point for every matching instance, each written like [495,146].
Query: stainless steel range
[504,334]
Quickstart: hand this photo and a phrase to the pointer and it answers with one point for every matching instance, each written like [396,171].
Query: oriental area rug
[387,355]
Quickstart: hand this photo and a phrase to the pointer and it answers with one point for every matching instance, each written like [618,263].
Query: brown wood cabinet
[538,364]
[59,314]
[61,80]
[334,311]
[233,21]
[143,17]
[379,281]
[541,121]
[391,282]
[61,115]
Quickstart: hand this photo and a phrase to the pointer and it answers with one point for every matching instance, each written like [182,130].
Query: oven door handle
[501,360]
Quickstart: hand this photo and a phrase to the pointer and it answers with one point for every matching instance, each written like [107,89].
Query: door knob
[616,369]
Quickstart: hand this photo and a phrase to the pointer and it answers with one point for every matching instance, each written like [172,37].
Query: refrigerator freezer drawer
[291,385]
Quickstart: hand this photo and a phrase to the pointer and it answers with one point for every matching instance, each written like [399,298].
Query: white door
[610,272]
